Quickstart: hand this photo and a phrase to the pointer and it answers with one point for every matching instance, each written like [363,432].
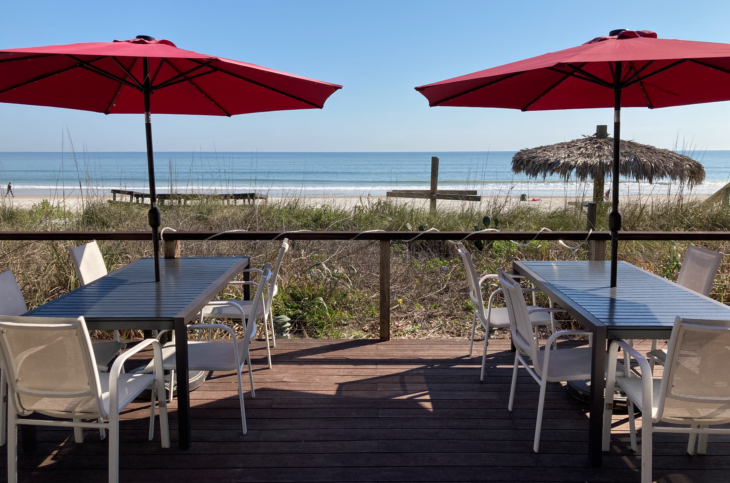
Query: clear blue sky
[379,50]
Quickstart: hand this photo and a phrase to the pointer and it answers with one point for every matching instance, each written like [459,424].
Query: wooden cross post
[434,193]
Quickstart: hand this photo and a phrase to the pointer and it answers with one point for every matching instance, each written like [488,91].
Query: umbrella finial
[148,38]
[610,34]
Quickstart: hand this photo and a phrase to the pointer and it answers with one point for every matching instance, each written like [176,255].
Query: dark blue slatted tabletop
[131,296]
[641,299]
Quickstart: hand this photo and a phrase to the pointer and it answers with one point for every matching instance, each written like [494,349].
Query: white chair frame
[79,325]
[649,386]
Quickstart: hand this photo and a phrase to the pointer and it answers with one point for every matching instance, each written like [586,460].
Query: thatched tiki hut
[592,158]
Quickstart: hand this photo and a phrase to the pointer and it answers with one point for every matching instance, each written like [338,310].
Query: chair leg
[540,407]
[12,443]
[702,443]
[632,427]
[78,433]
[652,359]
[692,440]
[514,384]
[250,372]
[607,415]
[102,431]
[240,400]
[151,434]
[172,385]
[484,359]
[3,406]
[473,332]
[161,400]
[646,448]
[114,446]
[273,332]
[266,336]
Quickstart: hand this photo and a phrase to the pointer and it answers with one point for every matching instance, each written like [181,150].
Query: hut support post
[434,182]
[614,219]
[599,184]
[596,248]
[726,197]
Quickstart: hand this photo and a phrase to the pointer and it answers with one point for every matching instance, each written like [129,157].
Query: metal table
[129,298]
[643,306]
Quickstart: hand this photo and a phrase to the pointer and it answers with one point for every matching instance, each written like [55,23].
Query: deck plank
[368,411]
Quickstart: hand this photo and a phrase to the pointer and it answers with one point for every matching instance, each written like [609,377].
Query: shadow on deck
[405,410]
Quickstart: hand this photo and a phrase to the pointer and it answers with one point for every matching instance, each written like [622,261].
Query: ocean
[306,174]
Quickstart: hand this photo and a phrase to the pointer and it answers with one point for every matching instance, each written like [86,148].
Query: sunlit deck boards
[338,410]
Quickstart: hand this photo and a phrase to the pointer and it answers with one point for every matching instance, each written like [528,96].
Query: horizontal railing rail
[379,235]
[172,241]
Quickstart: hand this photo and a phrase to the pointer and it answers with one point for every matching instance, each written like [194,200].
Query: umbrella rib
[641,84]
[187,79]
[179,76]
[157,71]
[491,83]
[102,72]
[28,57]
[129,74]
[545,93]
[636,73]
[710,66]
[588,74]
[36,79]
[573,74]
[674,64]
[201,91]
[114,99]
[240,77]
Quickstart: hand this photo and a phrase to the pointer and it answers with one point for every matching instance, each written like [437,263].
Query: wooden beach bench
[183,198]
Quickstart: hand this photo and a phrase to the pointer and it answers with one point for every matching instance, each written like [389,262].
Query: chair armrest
[245,282]
[647,377]
[564,333]
[257,270]
[487,277]
[119,364]
[532,310]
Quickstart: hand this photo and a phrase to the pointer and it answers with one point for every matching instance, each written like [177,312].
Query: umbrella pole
[153,215]
[614,219]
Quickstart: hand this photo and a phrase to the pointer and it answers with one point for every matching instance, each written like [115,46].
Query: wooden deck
[343,410]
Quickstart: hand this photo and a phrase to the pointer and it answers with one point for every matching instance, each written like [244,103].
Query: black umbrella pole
[614,219]
[153,215]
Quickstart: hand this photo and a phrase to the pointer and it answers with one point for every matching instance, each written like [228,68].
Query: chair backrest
[89,262]
[273,287]
[11,299]
[258,298]
[50,367]
[699,269]
[472,279]
[696,381]
[519,318]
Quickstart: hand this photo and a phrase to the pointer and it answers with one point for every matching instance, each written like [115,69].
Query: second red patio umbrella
[148,76]
[625,69]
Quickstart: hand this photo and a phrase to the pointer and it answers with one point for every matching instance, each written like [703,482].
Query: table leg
[598,384]
[247,288]
[183,384]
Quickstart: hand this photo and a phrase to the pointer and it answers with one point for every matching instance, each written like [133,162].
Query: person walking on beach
[10,190]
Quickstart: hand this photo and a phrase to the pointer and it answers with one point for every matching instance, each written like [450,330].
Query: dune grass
[330,289]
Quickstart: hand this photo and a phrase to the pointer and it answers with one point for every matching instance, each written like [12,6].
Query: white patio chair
[548,364]
[208,355]
[229,309]
[89,264]
[11,303]
[494,317]
[52,371]
[694,391]
[697,274]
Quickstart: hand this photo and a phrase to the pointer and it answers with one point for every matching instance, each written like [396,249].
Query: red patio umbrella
[148,76]
[626,68]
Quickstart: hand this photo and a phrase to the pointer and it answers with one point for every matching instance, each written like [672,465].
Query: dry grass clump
[330,289]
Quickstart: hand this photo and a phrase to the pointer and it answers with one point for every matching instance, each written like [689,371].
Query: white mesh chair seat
[499,318]
[572,364]
[230,310]
[105,351]
[205,356]
[129,386]
[659,355]
[692,395]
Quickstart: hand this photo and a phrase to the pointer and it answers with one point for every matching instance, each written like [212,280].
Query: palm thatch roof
[592,158]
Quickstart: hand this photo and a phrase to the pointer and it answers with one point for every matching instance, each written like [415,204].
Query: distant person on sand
[10,190]
[607,196]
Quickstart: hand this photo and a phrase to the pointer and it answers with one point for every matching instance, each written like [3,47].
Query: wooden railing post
[384,289]
[172,249]
[434,182]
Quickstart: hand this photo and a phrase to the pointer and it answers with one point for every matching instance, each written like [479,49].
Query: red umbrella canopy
[654,73]
[108,77]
